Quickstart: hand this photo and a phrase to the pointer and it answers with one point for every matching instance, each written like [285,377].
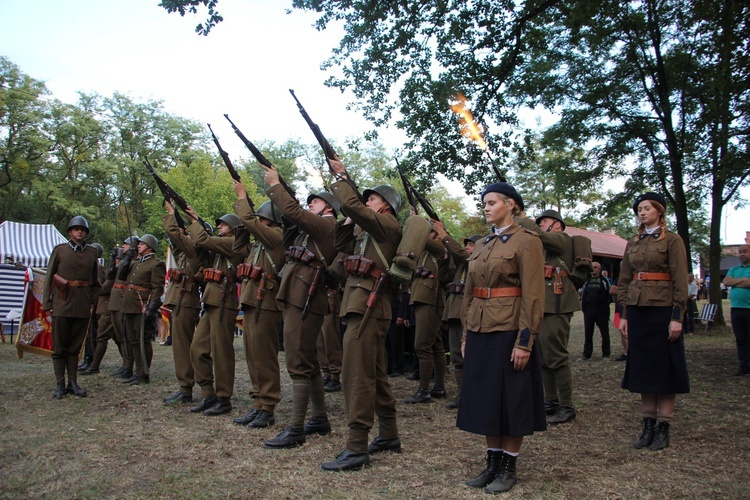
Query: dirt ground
[122,442]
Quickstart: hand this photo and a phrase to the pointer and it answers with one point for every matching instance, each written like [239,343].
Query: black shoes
[88,371]
[123,373]
[413,376]
[453,404]
[421,396]
[137,380]
[289,438]
[317,425]
[263,419]
[494,458]
[661,437]
[348,460]
[551,407]
[247,418]
[379,445]
[647,436]
[218,408]
[60,391]
[740,372]
[506,476]
[178,397]
[623,357]
[332,386]
[205,404]
[585,356]
[563,415]
[438,392]
[75,390]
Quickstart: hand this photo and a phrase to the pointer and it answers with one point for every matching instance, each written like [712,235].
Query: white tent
[22,246]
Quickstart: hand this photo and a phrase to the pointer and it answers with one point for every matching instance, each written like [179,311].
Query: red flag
[35,334]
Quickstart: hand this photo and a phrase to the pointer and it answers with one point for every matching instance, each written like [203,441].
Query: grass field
[122,442]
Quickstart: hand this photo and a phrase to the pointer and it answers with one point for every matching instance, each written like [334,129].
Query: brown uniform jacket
[453,301]
[317,234]
[428,290]
[81,264]
[650,255]
[558,252]
[145,272]
[102,304]
[267,252]
[381,228]
[223,259]
[190,261]
[512,259]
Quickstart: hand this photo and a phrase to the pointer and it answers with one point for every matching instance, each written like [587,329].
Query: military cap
[651,196]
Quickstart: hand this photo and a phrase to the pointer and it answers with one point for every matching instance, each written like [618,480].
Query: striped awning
[29,245]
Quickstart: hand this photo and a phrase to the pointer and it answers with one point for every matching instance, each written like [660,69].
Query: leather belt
[652,276]
[138,288]
[120,285]
[549,272]
[492,293]
[78,283]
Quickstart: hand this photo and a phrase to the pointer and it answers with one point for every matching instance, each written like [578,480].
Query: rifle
[232,171]
[412,192]
[168,193]
[172,195]
[311,291]
[328,151]
[407,188]
[259,156]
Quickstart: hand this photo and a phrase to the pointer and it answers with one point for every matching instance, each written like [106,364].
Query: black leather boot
[551,407]
[60,390]
[661,437]
[289,438]
[647,436]
[488,474]
[317,425]
[74,389]
[506,476]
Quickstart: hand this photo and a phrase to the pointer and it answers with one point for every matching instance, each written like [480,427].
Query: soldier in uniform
[212,349]
[454,298]
[261,315]
[366,311]
[330,350]
[93,333]
[502,398]
[183,298]
[115,304]
[105,332]
[70,293]
[302,294]
[561,300]
[144,285]
[428,301]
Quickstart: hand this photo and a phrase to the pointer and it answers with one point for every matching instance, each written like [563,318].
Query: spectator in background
[595,302]
[618,313]
[738,277]
[688,326]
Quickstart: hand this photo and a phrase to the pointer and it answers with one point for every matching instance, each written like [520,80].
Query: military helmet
[208,227]
[473,238]
[150,240]
[132,241]
[328,198]
[269,211]
[552,214]
[120,253]
[78,220]
[388,193]
[99,249]
[230,220]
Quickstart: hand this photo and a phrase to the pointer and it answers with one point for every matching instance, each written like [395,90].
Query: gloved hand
[153,309]
[124,267]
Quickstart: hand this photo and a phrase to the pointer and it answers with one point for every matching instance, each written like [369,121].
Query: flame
[469,127]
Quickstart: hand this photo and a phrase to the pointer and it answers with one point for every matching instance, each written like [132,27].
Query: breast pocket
[501,266]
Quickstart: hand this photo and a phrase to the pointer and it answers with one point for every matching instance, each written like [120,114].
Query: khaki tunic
[651,255]
[428,290]
[147,272]
[558,252]
[513,259]
[223,259]
[72,265]
[453,301]
[190,261]
[317,234]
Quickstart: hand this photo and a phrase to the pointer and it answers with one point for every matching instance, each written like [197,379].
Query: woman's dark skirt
[654,365]
[497,400]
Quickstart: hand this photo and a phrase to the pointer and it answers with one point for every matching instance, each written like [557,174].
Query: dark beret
[649,196]
[507,190]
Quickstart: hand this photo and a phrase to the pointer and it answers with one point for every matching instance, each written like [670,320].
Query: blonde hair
[662,220]
[516,210]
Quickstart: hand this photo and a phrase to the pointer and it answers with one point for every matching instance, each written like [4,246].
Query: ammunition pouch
[358,266]
[211,274]
[454,288]
[423,272]
[175,275]
[300,254]
[249,271]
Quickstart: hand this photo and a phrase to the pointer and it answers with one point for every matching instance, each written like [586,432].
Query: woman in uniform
[502,396]
[653,292]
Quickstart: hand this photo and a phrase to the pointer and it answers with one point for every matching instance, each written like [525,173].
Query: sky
[244,67]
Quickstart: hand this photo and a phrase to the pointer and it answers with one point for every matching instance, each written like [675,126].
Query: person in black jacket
[595,304]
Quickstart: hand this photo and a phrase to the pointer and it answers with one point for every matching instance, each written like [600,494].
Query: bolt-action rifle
[232,171]
[411,193]
[171,195]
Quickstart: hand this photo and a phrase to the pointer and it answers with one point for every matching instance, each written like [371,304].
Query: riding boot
[99,352]
[72,364]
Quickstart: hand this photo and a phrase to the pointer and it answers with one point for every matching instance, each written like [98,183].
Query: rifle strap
[363,247]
